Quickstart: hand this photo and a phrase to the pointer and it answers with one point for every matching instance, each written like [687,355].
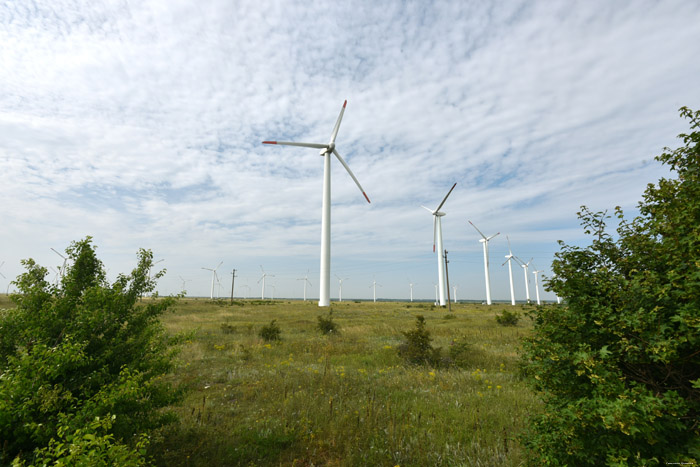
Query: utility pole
[233,278]
[447,276]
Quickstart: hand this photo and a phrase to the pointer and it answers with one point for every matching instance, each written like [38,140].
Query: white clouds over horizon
[140,123]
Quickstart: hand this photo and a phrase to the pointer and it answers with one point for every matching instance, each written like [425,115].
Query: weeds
[327,325]
[508,318]
[270,332]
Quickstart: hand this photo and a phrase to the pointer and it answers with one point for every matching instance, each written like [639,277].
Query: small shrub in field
[270,332]
[449,316]
[417,349]
[508,318]
[228,328]
[326,324]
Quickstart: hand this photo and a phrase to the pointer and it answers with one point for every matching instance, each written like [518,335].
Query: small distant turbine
[509,259]
[436,294]
[262,278]
[437,242]
[374,287]
[485,241]
[184,281]
[306,281]
[537,285]
[454,289]
[410,284]
[340,287]
[247,287]
[1,274]
[272,297]
[213,278]
[326,151]
[62,269]
[527,279]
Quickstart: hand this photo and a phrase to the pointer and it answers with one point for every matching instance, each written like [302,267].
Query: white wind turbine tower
[3,275]
[436,293]
[527,279]
[306,281]
[340,287]
[262,278]
[326,151]
[374,287]
[410,284]
[537,285]
[454,289]
[213,278]
[509,258]
[485,241]
[437,241]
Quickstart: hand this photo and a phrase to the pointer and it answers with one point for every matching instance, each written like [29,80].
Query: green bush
[270,332]
[508,318]
[619,366]
[417,349]
[79,350]
[327,325]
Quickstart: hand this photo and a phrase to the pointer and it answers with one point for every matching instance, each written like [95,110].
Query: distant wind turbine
[537,285]
[454,289]
[62,269]
[306,281]
[326,151]
[485,241]
[374,287]
[213,278]
[340,287]
[1,274]
[262,278]
[410,284]
[247,287]
[509,259]
[437,243]
[184,281]
[436,293]
[527,279]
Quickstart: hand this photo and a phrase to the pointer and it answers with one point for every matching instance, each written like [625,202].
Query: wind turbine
[3,275]
[454,289]
[537,285]
[527,279]
[184,281]
[262,278]
[326,151]
[485,241]
[437,238]
[247,287]
[213,277]
[436,293]
[509,258]
[340,287]
[306,280]
[62,269]
[374,286]
[410,284]
[272,297]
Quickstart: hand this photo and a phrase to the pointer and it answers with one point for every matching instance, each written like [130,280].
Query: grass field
[345,399]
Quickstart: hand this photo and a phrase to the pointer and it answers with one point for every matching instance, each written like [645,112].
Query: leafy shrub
[270,332]
[449,316]
[460,352]
[228,328]
[327,325]
[619,366]
[508,318]
[417,349]
[79,350]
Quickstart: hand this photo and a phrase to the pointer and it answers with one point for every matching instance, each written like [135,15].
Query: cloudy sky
[140,123]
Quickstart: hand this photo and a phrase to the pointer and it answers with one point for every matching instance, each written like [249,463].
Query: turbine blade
[428,209]
[497,233]
[351,174]
[510,252]
[303,145]
[445,199]
[337,123]
[484,236]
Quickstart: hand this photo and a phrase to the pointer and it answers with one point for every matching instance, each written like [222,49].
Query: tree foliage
[80,351]
[619,365]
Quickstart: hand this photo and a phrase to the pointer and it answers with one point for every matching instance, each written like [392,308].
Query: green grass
[345,399]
